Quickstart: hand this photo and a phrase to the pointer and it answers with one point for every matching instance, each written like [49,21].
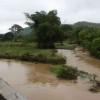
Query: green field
[30,52]
[65,45]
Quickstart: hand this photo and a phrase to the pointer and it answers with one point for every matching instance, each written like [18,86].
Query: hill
[89,24]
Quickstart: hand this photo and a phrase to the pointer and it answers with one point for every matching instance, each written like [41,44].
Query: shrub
[42,58]
[95,49]
[66,46]
[65,71]
[57,60]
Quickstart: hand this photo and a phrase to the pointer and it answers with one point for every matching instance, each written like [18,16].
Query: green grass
[70,72]
[65,71]
[65,45]
[19,48]
[29,51]
[19,44]
[22,50]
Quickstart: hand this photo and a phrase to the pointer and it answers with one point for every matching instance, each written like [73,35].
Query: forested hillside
[88,24]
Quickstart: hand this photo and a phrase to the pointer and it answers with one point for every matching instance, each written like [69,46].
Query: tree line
[48,30]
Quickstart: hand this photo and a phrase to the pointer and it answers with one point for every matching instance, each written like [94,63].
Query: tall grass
[29,51]
[65,45]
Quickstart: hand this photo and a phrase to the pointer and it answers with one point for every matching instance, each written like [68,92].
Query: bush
[66,46]
[65,71]
[41,58]
[95,49]
[57,60]
[29,52]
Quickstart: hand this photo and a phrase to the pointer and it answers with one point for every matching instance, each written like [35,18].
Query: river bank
[34,81]
[29,52]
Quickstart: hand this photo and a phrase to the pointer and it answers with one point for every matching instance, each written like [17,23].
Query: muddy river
[35,82]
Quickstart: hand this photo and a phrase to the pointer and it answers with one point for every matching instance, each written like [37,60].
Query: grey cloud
[70,11]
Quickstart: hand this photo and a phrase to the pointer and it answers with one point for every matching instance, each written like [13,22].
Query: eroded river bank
[35,82]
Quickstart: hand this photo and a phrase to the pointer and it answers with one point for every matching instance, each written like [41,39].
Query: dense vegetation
[88,24]
[47,27]
[89,37]
[29,52]
[37,42]
[47,31]
[65,71]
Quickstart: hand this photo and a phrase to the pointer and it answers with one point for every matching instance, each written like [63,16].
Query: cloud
[70,11]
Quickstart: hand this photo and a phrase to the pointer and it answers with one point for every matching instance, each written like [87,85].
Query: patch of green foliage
[95,48]
[29,52]
[47,27]
[84,23]
[66,46]
[92,78]
[42,58]
[89,38]
[57,60]
[72,73]
[65,71]
[18,44]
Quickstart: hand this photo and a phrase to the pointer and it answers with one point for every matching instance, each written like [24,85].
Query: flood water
[35,82]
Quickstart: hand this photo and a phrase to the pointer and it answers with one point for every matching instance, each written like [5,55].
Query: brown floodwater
[35,82]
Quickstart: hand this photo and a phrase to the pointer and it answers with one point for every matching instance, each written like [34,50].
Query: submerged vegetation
[72,73]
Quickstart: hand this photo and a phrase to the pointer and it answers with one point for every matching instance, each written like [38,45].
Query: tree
[86,36]
[76,31]
[15,29]
[8,36]
[52,18]
[66,27]
[47,35]
[95,47]
[67,30]
[35,19]
[47,27]
[1,37]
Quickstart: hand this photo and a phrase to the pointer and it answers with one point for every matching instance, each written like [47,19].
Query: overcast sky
[70,11]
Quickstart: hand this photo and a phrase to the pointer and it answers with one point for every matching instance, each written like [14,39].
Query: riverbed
[35,82]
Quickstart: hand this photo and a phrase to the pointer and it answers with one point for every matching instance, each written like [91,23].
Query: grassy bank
[65,45]
[29,52]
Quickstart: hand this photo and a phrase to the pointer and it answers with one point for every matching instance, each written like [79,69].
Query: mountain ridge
[85,23]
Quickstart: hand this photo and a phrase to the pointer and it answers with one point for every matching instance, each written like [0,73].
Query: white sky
[70,11]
